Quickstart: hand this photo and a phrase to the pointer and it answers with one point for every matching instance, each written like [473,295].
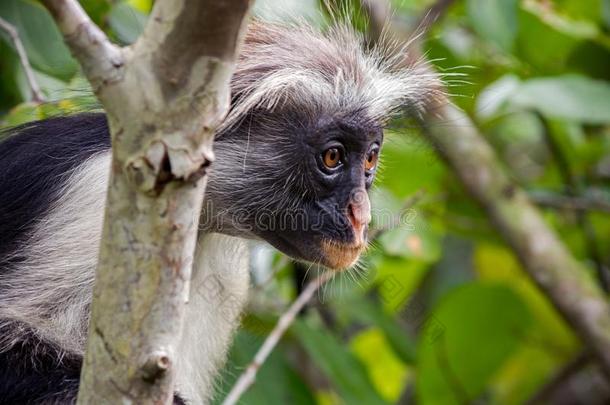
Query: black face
[302,185]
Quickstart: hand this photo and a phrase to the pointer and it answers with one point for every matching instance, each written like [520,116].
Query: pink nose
[359,214]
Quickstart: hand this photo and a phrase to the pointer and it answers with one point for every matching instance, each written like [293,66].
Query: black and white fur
[294,91]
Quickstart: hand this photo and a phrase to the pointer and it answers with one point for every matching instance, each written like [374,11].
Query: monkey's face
[298,151]
[302,186]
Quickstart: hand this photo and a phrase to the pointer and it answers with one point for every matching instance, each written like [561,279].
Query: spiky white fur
[333,72]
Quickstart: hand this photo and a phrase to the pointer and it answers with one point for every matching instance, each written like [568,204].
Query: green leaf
[495,20]
[529,367]
[567,24]
[370,313]
[126,22]
[96,9]
[43,43]
[481,326]
[415,239]
[518,137]
[386,371]
[144,6]
[9,69]
[21,114]
[541,45]
[397,278]
[493,98]
[338,364]
[405,154]
[582,9]
[570,97]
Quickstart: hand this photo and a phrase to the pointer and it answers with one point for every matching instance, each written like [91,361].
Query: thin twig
[561,378]
[12,32]
[248,377]
[432,14]
[575,203]
[102,61]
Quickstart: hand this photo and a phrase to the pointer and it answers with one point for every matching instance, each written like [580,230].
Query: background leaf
[482,325]
[495,20]
[126,22]
[339,365]
[569,97]
[41,38]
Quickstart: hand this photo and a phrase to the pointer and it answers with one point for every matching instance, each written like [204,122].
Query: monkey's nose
[359,215]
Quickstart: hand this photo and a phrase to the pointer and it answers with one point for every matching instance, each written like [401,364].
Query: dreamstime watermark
[314,217]
[228,306]
[213,290]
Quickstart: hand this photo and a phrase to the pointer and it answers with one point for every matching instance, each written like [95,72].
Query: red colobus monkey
[302,140]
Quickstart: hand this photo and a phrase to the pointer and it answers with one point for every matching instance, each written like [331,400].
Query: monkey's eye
[371,160]
[332,158]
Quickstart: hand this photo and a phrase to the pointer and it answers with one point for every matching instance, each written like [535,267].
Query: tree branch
[578,382]
[164,97]
[100,59]
[10,29]
[576,203]
[560,379]
[436,11]
[557,273]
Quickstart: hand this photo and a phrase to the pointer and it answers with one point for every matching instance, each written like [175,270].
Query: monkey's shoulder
[36,160]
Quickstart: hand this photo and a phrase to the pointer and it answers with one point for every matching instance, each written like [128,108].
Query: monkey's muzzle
[340,256]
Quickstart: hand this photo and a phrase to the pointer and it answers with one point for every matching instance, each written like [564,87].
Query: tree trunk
[164,97]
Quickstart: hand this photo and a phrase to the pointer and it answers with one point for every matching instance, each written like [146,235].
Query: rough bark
[164,97]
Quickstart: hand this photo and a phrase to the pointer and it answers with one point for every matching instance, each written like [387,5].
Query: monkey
[295,159]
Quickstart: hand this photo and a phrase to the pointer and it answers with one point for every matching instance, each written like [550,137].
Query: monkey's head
[299,151]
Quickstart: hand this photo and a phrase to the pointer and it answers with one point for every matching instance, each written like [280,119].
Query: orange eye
[371,160]
[332,158]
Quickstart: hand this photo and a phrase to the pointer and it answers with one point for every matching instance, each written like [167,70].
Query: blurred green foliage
[441,312]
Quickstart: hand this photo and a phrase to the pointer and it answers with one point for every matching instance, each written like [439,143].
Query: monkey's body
[294,161]
[42,329]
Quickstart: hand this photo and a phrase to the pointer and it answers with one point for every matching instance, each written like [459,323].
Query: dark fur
[35,160]
[35,372]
